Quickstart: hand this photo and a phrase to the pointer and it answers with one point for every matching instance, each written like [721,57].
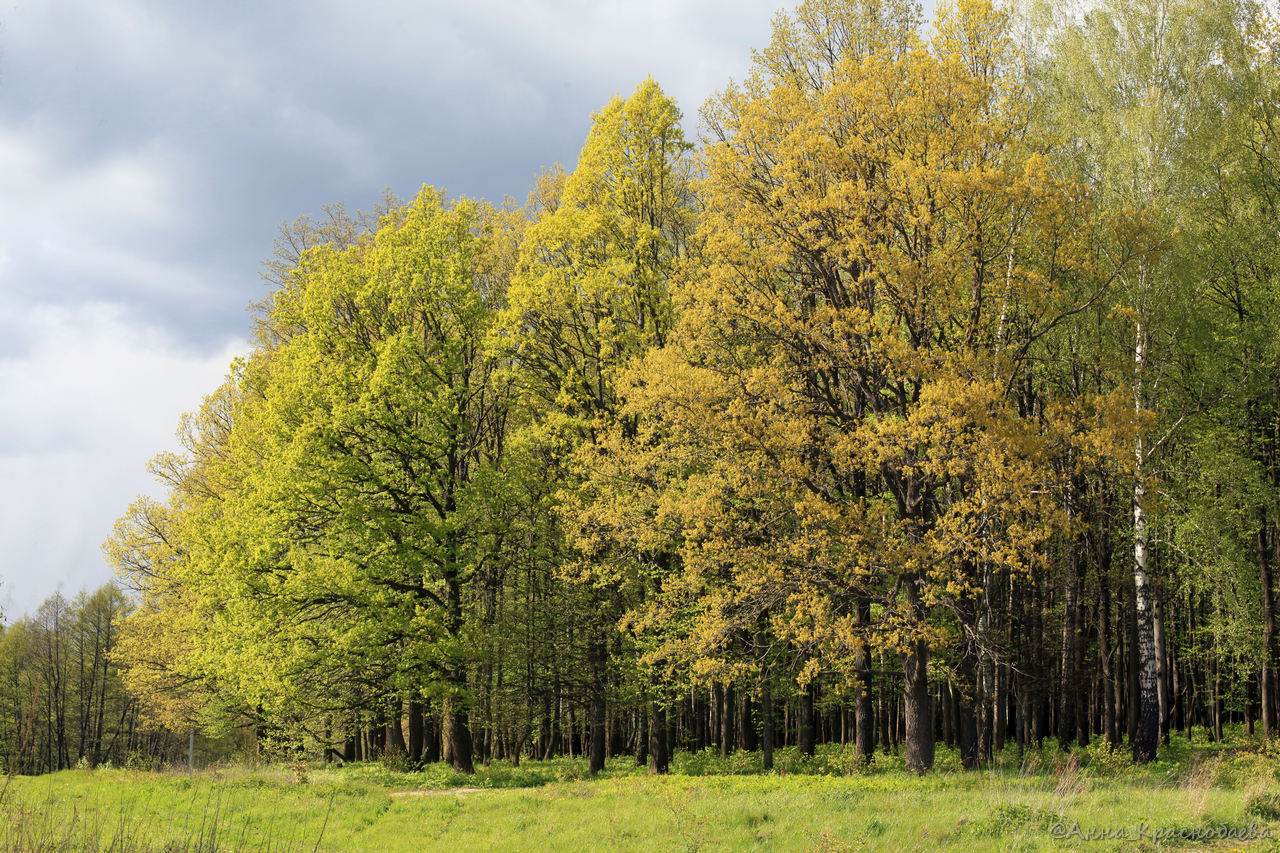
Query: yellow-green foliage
[833,419]
[323,521]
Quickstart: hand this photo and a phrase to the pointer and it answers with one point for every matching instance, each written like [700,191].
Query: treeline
[63,697]
[932,394]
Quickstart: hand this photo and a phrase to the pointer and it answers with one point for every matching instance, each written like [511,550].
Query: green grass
[707,803]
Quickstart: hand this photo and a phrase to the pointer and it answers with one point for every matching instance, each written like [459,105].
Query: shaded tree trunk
[599,656]
[864,716]
[1268,679]
[416,730]
[917,703]
[458,729]
[806,734]
[659,759]
[766,722]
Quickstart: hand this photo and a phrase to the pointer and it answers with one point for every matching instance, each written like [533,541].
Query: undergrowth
[828,801]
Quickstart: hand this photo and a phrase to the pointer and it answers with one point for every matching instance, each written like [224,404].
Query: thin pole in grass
[217,817]
[186,819]
[244,832]
[204,818]
[325,824]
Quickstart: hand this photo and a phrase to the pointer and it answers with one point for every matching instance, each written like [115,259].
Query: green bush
[1264,804]
[1102,760]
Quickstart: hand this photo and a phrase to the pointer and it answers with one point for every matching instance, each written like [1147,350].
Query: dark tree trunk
[766,722]
[746,722]
[1162,663]
[1110,720]
[544,728]
[726,720]
[1268,680]
[598,653]
[430,736]
[967,727]
[378,735]
[806,733]
[659,760]
[1069,682]
[415,730]
[882,715]
[642,738]
[395,727]
[458,727]
[918,709]
[596,759]
[864,719]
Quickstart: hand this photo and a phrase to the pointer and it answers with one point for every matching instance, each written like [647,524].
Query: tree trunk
[1067,669]
[1109,718]
[966,727]
[806,734]
[746,722]
[726,720]
[430,736]
[598,653]
[1162,663]
[917,703]
[415,730]
[459,732]
[642,737]
[659,761]
[1268,681]
[1148,698]
[716,700]
[766,722]
[864,719]
[395,727]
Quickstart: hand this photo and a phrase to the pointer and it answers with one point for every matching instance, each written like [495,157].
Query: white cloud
[81,412]
[501,57]
[305,127]
[123,191]
[98,225]
[149,148]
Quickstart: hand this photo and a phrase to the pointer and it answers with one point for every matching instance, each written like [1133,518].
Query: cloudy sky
[149,151]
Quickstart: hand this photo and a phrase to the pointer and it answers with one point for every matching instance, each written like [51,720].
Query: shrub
[1102,760]
[1264,804]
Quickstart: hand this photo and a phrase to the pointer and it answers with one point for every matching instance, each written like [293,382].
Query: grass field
[1045,801]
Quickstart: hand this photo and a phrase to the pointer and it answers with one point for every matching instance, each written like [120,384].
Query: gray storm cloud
[149,150]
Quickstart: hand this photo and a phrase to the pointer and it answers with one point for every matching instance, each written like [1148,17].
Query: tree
[592,293]
[885,246]
[1143,87]
[61,695]
[333,571]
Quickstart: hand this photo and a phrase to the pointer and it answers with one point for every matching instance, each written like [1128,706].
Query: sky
[149,152]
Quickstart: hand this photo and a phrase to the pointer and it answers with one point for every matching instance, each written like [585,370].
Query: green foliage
[1264,804]
[1102,760]
[63,701]
[1011,820]
[887,377]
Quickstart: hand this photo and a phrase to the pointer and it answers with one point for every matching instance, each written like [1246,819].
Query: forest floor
[1195,797]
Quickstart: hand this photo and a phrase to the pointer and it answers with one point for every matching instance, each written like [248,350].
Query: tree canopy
[929,393]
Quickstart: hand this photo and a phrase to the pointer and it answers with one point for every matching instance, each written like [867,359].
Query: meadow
[1217,797]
